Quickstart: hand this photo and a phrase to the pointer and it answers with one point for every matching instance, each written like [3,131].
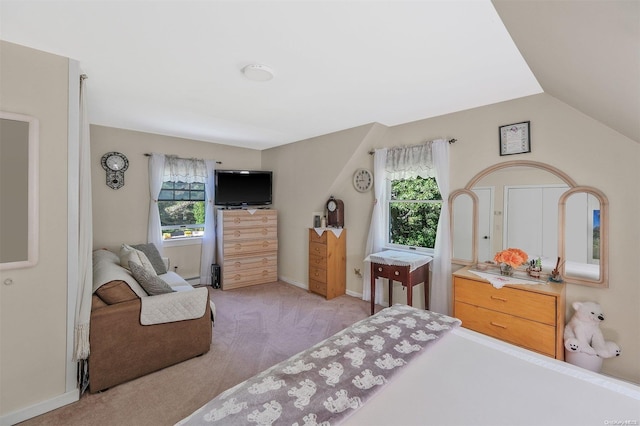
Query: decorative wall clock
[362,180]
[335,213]
[115,164]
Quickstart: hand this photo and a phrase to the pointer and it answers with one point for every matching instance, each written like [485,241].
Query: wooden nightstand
[531,316]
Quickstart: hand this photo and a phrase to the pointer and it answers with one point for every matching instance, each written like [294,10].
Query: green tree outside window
[414,211]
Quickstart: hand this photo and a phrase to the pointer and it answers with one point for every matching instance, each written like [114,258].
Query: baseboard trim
[40,408]
[306,287]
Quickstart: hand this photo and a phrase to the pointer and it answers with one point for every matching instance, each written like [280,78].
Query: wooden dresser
[247,247]
[328,263]
[531,316]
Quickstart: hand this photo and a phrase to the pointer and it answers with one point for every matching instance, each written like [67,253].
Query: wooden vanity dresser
[530,316]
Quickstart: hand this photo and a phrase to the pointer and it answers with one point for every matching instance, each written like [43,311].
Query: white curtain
[188,170]
[85,236]
[378,228]
[440,300]
[156,176]
[209,238]
[430,159]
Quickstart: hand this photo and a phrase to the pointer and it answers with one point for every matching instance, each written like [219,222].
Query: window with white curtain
[414,211]
[181,202]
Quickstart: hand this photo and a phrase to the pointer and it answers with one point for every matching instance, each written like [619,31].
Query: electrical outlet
[357,272]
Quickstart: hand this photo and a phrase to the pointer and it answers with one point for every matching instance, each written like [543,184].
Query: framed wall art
[515,138]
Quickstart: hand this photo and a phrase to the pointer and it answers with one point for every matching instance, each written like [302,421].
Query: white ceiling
[173,67]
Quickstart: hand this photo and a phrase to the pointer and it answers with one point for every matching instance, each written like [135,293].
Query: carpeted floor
[256,327]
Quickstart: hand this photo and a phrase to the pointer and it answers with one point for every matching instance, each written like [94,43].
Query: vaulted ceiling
[174,67]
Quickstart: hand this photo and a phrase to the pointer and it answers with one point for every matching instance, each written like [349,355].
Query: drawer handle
[264,219]
[236,220]
[379,269]
[236,233]
[265,231]
[495,324]
[265,244]
[499,298]
[397,273]
[237,264]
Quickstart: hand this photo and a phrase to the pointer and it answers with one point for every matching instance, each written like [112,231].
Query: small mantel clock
[335,213]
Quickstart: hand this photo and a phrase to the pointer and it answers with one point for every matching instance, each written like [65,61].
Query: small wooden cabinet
[531,316]
[328,263]
[247,247]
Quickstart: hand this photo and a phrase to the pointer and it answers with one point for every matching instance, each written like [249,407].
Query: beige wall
[33,310]
[591,153]
[121,216]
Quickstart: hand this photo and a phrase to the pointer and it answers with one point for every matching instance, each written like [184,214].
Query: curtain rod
[450,142]
[146,154]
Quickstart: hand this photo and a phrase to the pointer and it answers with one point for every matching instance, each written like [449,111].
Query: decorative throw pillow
[116,291]
[152,253]
[151,283]
[129,254]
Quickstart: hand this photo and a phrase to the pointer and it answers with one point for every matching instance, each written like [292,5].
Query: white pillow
[129,254]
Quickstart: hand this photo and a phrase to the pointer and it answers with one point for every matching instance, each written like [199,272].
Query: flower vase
[506,270]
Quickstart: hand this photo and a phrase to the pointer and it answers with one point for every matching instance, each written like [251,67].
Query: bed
[405,366]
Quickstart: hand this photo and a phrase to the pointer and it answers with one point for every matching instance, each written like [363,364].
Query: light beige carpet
[256,327]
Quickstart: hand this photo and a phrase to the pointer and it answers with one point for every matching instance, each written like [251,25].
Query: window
[182,209]
[414,211]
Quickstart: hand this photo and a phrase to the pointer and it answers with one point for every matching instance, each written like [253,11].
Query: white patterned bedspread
[325,384]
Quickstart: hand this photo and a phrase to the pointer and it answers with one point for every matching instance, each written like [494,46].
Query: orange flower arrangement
[512,256]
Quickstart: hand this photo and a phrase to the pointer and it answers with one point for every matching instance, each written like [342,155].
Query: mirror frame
[32,209]
[603,281]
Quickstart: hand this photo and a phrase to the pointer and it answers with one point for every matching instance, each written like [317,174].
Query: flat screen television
[242,188]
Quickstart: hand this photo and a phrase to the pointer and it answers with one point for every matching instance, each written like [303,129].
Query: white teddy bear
[582,333]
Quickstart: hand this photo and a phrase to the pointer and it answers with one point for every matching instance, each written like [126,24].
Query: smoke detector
[258,72]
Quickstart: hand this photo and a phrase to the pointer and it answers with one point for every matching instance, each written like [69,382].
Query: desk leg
[426,289]
[410,291]
[373,289]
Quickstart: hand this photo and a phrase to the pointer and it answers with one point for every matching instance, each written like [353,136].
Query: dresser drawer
[318,287]
[318,261]
[524,304]
[243,219]
[397,273]
[317,274]
[528,334]
[248,277]
[315,238]
[318,249]
[232,248]
[259,232]
[244,263]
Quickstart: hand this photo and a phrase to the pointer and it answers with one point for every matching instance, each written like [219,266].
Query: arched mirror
[585,242]
[463,227]
[537,208]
